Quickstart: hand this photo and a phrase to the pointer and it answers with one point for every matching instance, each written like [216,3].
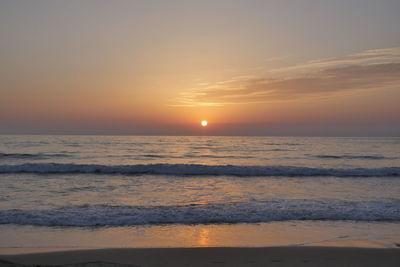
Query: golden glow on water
[244,235]
[204,239]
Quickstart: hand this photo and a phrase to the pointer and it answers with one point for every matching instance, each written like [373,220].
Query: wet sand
[203,257]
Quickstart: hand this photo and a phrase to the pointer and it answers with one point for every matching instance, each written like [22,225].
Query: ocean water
[65,184]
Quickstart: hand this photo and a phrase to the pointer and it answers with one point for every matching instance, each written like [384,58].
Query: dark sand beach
[203,257]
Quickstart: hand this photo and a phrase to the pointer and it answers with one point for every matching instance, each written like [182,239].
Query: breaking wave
[197,169]
[351,157]
[30,156]
[229,213]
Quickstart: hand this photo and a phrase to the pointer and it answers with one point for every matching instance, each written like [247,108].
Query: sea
[184,191]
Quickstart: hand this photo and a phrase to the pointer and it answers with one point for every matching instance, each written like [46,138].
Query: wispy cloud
[372,69]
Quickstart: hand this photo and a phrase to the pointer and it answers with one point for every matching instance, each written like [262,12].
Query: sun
[204,123]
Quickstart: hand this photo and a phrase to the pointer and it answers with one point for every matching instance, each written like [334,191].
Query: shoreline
[275,234]
[213,256]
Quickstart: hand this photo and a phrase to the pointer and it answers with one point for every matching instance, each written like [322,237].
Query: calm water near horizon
[61,191]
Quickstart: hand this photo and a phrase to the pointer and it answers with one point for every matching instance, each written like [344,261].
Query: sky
[156,67]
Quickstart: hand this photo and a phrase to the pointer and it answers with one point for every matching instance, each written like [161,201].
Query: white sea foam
[239,212]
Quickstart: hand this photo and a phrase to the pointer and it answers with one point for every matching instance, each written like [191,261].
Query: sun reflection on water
[204,239]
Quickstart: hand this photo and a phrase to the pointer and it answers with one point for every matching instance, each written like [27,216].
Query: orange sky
[150,68]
